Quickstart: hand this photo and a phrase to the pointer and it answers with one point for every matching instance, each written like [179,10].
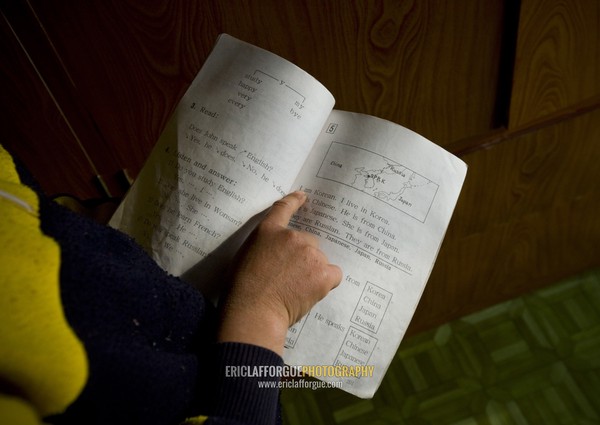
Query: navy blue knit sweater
[149,336]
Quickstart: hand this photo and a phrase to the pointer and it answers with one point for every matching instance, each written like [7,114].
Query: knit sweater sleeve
[148,337]
[245,384]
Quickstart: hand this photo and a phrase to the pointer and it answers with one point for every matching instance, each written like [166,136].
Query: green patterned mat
[532,360]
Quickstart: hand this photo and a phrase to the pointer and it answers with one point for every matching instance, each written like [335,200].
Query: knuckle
[310,255]
[266,227]
[282,203]
[293,237]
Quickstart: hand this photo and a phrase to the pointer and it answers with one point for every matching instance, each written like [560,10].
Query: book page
[233,146]
[380,200]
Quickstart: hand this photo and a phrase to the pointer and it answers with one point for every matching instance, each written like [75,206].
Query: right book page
[380,200]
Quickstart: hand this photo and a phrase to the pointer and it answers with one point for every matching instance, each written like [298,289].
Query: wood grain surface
[33,126]
[89,85]
[558,57]
[527,216]
[430,65]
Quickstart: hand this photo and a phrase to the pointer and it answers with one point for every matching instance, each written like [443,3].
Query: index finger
[282,211]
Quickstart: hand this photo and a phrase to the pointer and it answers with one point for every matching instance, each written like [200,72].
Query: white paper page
[233,146]
[380,199]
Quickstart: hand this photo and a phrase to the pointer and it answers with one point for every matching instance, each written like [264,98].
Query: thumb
[282,211]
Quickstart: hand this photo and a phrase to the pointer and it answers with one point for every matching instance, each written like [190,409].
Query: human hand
[281,273]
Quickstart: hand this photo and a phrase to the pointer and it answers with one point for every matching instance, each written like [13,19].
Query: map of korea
[379,177]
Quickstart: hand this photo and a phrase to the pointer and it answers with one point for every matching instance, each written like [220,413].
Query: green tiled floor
[533,360]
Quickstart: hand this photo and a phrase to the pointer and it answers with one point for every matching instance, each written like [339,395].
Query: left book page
[233,146]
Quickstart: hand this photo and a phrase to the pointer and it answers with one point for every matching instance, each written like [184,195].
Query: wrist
[264,329]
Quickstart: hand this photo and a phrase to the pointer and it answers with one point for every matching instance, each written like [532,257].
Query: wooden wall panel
[87,149]
[510,259]
[527,216]
[431,65]
[33,126]
[529,173]
[558,57]
[110,72]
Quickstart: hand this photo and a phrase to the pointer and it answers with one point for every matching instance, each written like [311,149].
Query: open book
[253,127]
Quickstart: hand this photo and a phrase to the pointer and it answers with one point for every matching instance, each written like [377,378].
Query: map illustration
[379,177]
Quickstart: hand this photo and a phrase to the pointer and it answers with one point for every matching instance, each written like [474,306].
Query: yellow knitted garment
[43,366]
